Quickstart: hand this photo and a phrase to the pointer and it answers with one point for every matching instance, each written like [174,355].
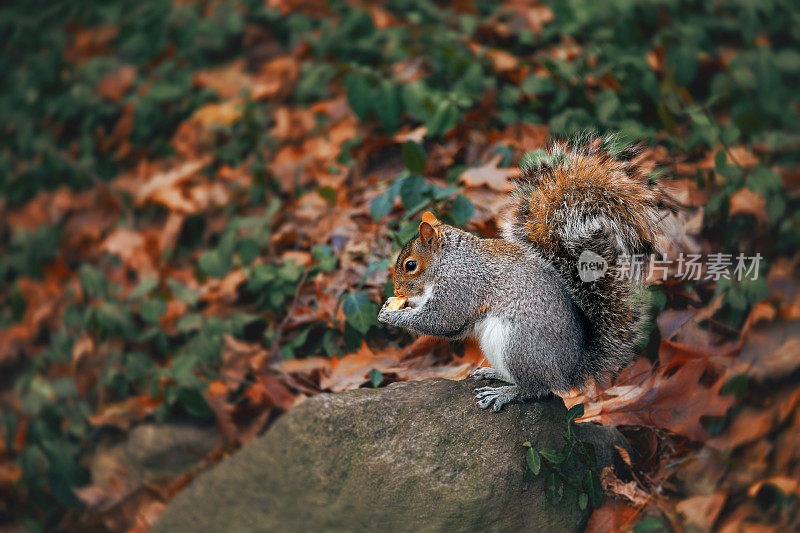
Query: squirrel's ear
[428,217]
[428,234]
[428,231]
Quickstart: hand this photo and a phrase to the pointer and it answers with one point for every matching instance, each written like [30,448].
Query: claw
[496,397]
[484,372]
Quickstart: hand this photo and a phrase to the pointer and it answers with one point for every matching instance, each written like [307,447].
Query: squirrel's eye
[410,265]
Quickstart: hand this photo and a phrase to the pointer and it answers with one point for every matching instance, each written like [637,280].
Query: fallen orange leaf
[489,175]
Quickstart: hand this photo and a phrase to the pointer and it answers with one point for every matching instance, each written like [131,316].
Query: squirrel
[543,324]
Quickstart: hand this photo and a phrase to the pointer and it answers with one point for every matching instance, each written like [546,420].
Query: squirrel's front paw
[391,311]
[388,316]
[385,315]
[496,397]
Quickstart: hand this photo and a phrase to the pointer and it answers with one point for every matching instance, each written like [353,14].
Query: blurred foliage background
[197,193]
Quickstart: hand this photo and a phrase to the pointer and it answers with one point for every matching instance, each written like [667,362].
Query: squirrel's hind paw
[496,397]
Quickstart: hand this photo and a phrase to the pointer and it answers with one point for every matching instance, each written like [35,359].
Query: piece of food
[397,303]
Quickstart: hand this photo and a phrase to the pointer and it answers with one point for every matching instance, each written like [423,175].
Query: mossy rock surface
[414,456]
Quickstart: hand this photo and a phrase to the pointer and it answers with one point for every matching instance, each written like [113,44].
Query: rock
[153,452]
[412,456]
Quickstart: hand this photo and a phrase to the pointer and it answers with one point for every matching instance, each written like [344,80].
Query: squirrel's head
[412,272]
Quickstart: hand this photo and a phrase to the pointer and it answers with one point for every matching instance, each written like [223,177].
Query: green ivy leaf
[93,281]
[536,85]
[553,456]
[382,205]
[143,288]
[583,500]
[189,322]
[152,310]
[113,318]
[444,119]
[211,263]
[183,293]
[406,231]
[324,254]
[359,94]
[606,105]
[649,525]
[248,250]
[192,400]
[328,193]
[375,377]
[360,313]
[591,484]
[534,461]
[414,191]
[414,157]
[462,210]
[576,411]
[388,106]
[553,488]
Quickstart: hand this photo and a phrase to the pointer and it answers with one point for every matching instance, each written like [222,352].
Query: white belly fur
[492,334]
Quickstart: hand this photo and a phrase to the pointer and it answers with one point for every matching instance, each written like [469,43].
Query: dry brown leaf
[292,124]
[426,370]
[670,321]
[747,202]
[125,413]
[237,360]
[416,135]
[175,310]
[752,423]
[269,390]
[519,15]
[675,402]
[629,491]
[612,516]
[489,175]
[536,16]
[623,453]
[298,257]
[223,113]
[227,81]
[131,247]
[10,473]
[169,179]
[686,192]
[115,84]
[168,236]
[381,18]
[83,346]
[351,371]
[785,484]
[216,396]
[702,511]
[90,42]
[225,289]
[773,350]
[502,61]
[302,366]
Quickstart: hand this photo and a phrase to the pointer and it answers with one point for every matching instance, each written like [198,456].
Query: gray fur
[548,331]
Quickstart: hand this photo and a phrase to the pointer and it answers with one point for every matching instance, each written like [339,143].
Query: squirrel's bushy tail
[592,195]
